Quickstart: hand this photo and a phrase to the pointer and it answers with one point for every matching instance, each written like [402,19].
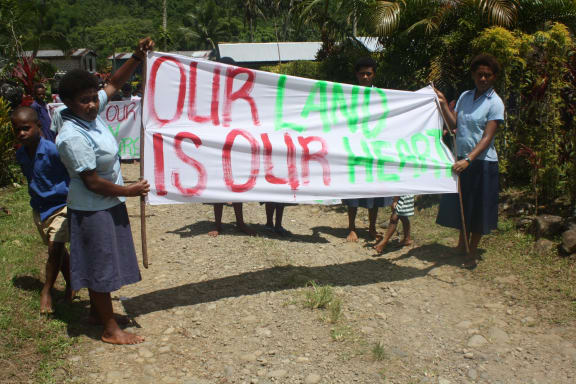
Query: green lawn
[31,346]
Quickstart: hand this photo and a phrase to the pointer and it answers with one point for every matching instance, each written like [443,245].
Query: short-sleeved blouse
[472,118]
[85,146]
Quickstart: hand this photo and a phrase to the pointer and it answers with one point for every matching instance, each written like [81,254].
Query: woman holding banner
[102,255]
[476,118]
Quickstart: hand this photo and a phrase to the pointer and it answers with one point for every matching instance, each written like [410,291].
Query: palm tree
[252,11]
[203,27]
[390,16]
[41,35]
[534,13]
[336,19]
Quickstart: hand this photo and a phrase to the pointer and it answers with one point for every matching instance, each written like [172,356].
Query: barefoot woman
[477,115]
[102,255]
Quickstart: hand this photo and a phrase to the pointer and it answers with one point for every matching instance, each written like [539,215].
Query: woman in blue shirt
[102,255]
[476,118]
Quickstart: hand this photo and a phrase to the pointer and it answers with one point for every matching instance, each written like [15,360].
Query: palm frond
[386,17]
[499,12]
[429,23]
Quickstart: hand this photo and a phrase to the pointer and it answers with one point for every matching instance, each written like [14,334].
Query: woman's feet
[120,337]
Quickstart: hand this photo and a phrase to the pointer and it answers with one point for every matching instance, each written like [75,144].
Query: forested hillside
[115,25]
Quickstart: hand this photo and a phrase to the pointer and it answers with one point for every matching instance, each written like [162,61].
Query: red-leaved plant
[26,71]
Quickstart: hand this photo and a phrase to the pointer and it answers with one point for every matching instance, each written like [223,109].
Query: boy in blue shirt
[48,188]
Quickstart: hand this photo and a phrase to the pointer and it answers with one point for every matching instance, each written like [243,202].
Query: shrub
[8,170]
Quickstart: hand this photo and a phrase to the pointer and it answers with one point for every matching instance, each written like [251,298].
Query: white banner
[220,133]
[123,119]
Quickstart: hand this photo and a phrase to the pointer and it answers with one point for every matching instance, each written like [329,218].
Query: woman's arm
[449,116]
[104,187]
[122,75]
[483,144]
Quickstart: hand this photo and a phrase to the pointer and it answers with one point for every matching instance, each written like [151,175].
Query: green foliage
[318,296]
[308,69]
[8,170]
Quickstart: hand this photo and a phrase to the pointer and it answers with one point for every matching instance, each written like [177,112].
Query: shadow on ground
[356,273]
[203,227]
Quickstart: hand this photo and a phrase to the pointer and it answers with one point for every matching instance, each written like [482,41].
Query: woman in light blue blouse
[102,255]
[476,118]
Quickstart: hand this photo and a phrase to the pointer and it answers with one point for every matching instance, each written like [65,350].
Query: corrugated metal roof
[268,52]
[193,54]
[289,51]
[46,53]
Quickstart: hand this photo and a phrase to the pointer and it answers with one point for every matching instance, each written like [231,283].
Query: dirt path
[229,310]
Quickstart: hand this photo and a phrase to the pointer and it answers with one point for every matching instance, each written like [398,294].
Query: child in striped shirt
[402,209]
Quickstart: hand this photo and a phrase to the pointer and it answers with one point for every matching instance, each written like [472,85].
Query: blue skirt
[102,255]
[372,202]
[479,186]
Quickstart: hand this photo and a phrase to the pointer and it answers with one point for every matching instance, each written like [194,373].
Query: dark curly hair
[365,62]
[487,60]
[75,82]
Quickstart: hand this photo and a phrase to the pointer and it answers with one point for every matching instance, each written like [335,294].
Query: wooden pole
[142,198]
[455,153]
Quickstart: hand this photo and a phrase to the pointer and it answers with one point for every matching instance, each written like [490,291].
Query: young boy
[402,209]
[48,188]
[365,71]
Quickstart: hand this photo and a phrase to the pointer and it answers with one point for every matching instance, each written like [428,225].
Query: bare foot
[379,247]
[120,319]
[407,243]
[469,262]
[352,237]
[121,337]
[374,235]
[246,229]
[46,304]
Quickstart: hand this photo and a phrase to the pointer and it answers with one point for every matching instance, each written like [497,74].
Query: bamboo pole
[143,198]
[455,154]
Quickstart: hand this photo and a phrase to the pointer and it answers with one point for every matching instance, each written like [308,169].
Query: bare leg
[240,220]
[55,256]
[279,215]
[278,228]
[372,216]
[65,269]
[407,240]
[470,258]
[352,236]
[217,220]
[269,214]
[94,319]
[112,334]
[389,232]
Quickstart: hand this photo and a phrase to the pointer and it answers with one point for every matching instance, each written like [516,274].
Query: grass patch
[31,346]
[379,352]
[341,333]
[318,296]
[323,297]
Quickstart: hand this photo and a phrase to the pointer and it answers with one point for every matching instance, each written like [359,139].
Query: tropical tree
[336,19]
[203,28]
[252,11]
[533,14]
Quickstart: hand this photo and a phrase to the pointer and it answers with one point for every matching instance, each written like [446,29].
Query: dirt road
[230,310]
